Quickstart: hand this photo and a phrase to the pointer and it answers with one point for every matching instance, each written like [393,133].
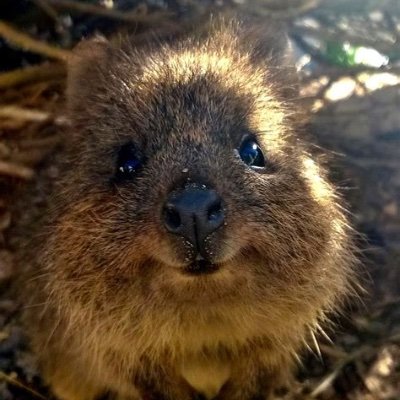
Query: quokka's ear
[267,41]
[264,39]
[84,68]
[269,46]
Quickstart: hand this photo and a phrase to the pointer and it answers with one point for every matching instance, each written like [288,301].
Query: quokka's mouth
[201,267]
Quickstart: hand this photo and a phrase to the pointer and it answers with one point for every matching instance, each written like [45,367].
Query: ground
[354,117]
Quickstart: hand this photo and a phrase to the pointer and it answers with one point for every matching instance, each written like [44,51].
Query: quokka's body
[192,243]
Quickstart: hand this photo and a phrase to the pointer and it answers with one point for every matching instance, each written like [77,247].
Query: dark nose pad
[194,213]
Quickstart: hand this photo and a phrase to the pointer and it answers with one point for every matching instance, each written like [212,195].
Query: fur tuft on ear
[265,39]
[84,66]
[269,45]
[268,42]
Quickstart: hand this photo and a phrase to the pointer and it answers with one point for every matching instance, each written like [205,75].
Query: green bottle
[347,55]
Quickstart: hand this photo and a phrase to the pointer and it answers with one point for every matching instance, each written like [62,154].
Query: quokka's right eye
[129,162]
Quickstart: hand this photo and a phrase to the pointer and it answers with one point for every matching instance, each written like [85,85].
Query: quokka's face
[186,180]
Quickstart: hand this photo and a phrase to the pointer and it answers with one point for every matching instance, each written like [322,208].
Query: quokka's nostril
[215,212]
[193,213]
[172,218]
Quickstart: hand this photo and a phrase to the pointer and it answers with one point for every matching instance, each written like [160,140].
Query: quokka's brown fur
[113,309]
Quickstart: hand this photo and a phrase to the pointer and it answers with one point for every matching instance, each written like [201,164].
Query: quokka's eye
[129,162]
[251,154]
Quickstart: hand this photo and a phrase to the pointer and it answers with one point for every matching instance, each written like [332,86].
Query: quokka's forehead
[212,82]
[232,69]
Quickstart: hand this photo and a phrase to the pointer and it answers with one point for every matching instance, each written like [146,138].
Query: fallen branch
[304,8]
[286,11]
[31,74]
[31,115]
[25,42]
[48,9]
[15,170]
[127,16]
[15,382]
[25,114]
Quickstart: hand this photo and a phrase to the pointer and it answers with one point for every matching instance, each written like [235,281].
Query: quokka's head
[187,180]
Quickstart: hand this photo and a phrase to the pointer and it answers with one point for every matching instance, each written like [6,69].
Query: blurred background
[348,56]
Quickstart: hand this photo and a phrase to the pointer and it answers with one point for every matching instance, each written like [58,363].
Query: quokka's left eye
[129,162]
[251,154]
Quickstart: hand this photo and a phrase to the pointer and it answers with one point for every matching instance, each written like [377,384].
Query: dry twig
[15,382]
[31,74]
[287,10]
[28,43]
[15,170]
[24,114]
[51,12]
[127,16]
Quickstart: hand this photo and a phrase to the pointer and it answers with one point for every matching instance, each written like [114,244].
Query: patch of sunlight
[317,105]
[303,61]
[319,188]
[341,89]
[377,81]
[107,3]
[315,86]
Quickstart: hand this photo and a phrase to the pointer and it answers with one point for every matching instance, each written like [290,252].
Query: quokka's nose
[193,213]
